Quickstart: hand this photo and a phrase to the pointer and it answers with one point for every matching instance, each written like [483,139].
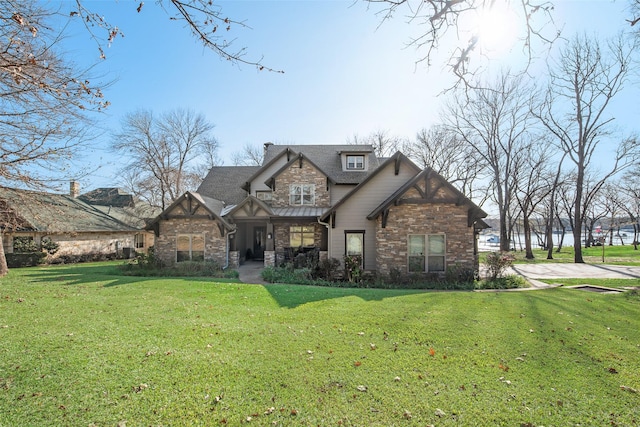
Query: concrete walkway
[250,272]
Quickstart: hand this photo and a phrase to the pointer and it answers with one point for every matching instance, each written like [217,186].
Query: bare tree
[46,102]
[448,154]
[628,197]
[205,20]
[385,145]
[249,156]
[163,152]
[533,185]
[495,122]
[583,82]
[437,19]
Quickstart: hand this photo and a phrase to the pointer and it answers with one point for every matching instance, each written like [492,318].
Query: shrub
[49,246]
[497,263]
[352,268]
[511,281]
[24,245]
[327,269]
[17,260]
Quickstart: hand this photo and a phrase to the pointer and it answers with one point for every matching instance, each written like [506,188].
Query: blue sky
[345,74]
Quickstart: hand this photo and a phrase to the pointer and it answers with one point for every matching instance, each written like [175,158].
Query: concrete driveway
[576,271]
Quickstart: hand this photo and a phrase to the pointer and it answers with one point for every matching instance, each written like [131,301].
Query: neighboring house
[338,199]
[79,227]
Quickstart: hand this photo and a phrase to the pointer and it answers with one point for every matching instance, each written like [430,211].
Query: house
[72,221]
[336,199]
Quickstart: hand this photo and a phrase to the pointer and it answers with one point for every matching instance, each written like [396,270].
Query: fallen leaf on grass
[357,363]
[613,371]
[629,389]
[139,388]
[361,388]
[440,413]
[432,352]
[407,415]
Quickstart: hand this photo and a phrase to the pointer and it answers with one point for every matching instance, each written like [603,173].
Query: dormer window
[355,162]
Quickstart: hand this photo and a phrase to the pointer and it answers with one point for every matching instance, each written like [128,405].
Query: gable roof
[25,210]
[224,183]
[475,212]
[300,157]
[212,208]
[327,158]
[115,197]
[396,159]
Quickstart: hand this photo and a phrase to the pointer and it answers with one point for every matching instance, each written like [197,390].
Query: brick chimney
[74,189]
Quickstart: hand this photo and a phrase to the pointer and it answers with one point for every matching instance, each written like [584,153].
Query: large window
[301,235]
[354,244]
[190,247]
[302,194]
[355,162]
[426,252]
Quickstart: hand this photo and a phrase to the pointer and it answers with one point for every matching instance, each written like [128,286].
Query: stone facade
[295,174]
[214,241]
[406,219]
[269,258]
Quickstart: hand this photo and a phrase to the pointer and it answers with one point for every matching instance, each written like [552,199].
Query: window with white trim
[426,252]
[355,162]
[190,247]
[302,194]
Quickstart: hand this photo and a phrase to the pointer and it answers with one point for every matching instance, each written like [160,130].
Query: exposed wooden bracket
[385,217]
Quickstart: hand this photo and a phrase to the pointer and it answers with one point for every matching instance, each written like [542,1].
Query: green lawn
[622,255]
[84,346]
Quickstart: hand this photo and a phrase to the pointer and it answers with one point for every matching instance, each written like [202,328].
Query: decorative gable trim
[397,160]
[428,187]
[300,158]
[193,206]
[251,207]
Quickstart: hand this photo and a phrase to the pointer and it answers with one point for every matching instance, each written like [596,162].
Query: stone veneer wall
[269,258]
[405,219]
[296,175]
[214,243]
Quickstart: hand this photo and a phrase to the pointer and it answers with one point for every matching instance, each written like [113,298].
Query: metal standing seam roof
[298,211]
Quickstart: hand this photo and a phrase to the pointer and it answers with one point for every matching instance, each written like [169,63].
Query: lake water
[490,241]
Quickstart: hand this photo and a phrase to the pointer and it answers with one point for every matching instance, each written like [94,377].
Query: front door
[259,241]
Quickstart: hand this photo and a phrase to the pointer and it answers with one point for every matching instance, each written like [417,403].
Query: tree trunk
[527,238]
[3,260]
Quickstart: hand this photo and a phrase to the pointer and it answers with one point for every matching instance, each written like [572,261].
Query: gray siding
[352,214]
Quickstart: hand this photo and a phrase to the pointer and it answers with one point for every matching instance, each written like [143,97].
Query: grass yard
[621,255]
[84,346]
